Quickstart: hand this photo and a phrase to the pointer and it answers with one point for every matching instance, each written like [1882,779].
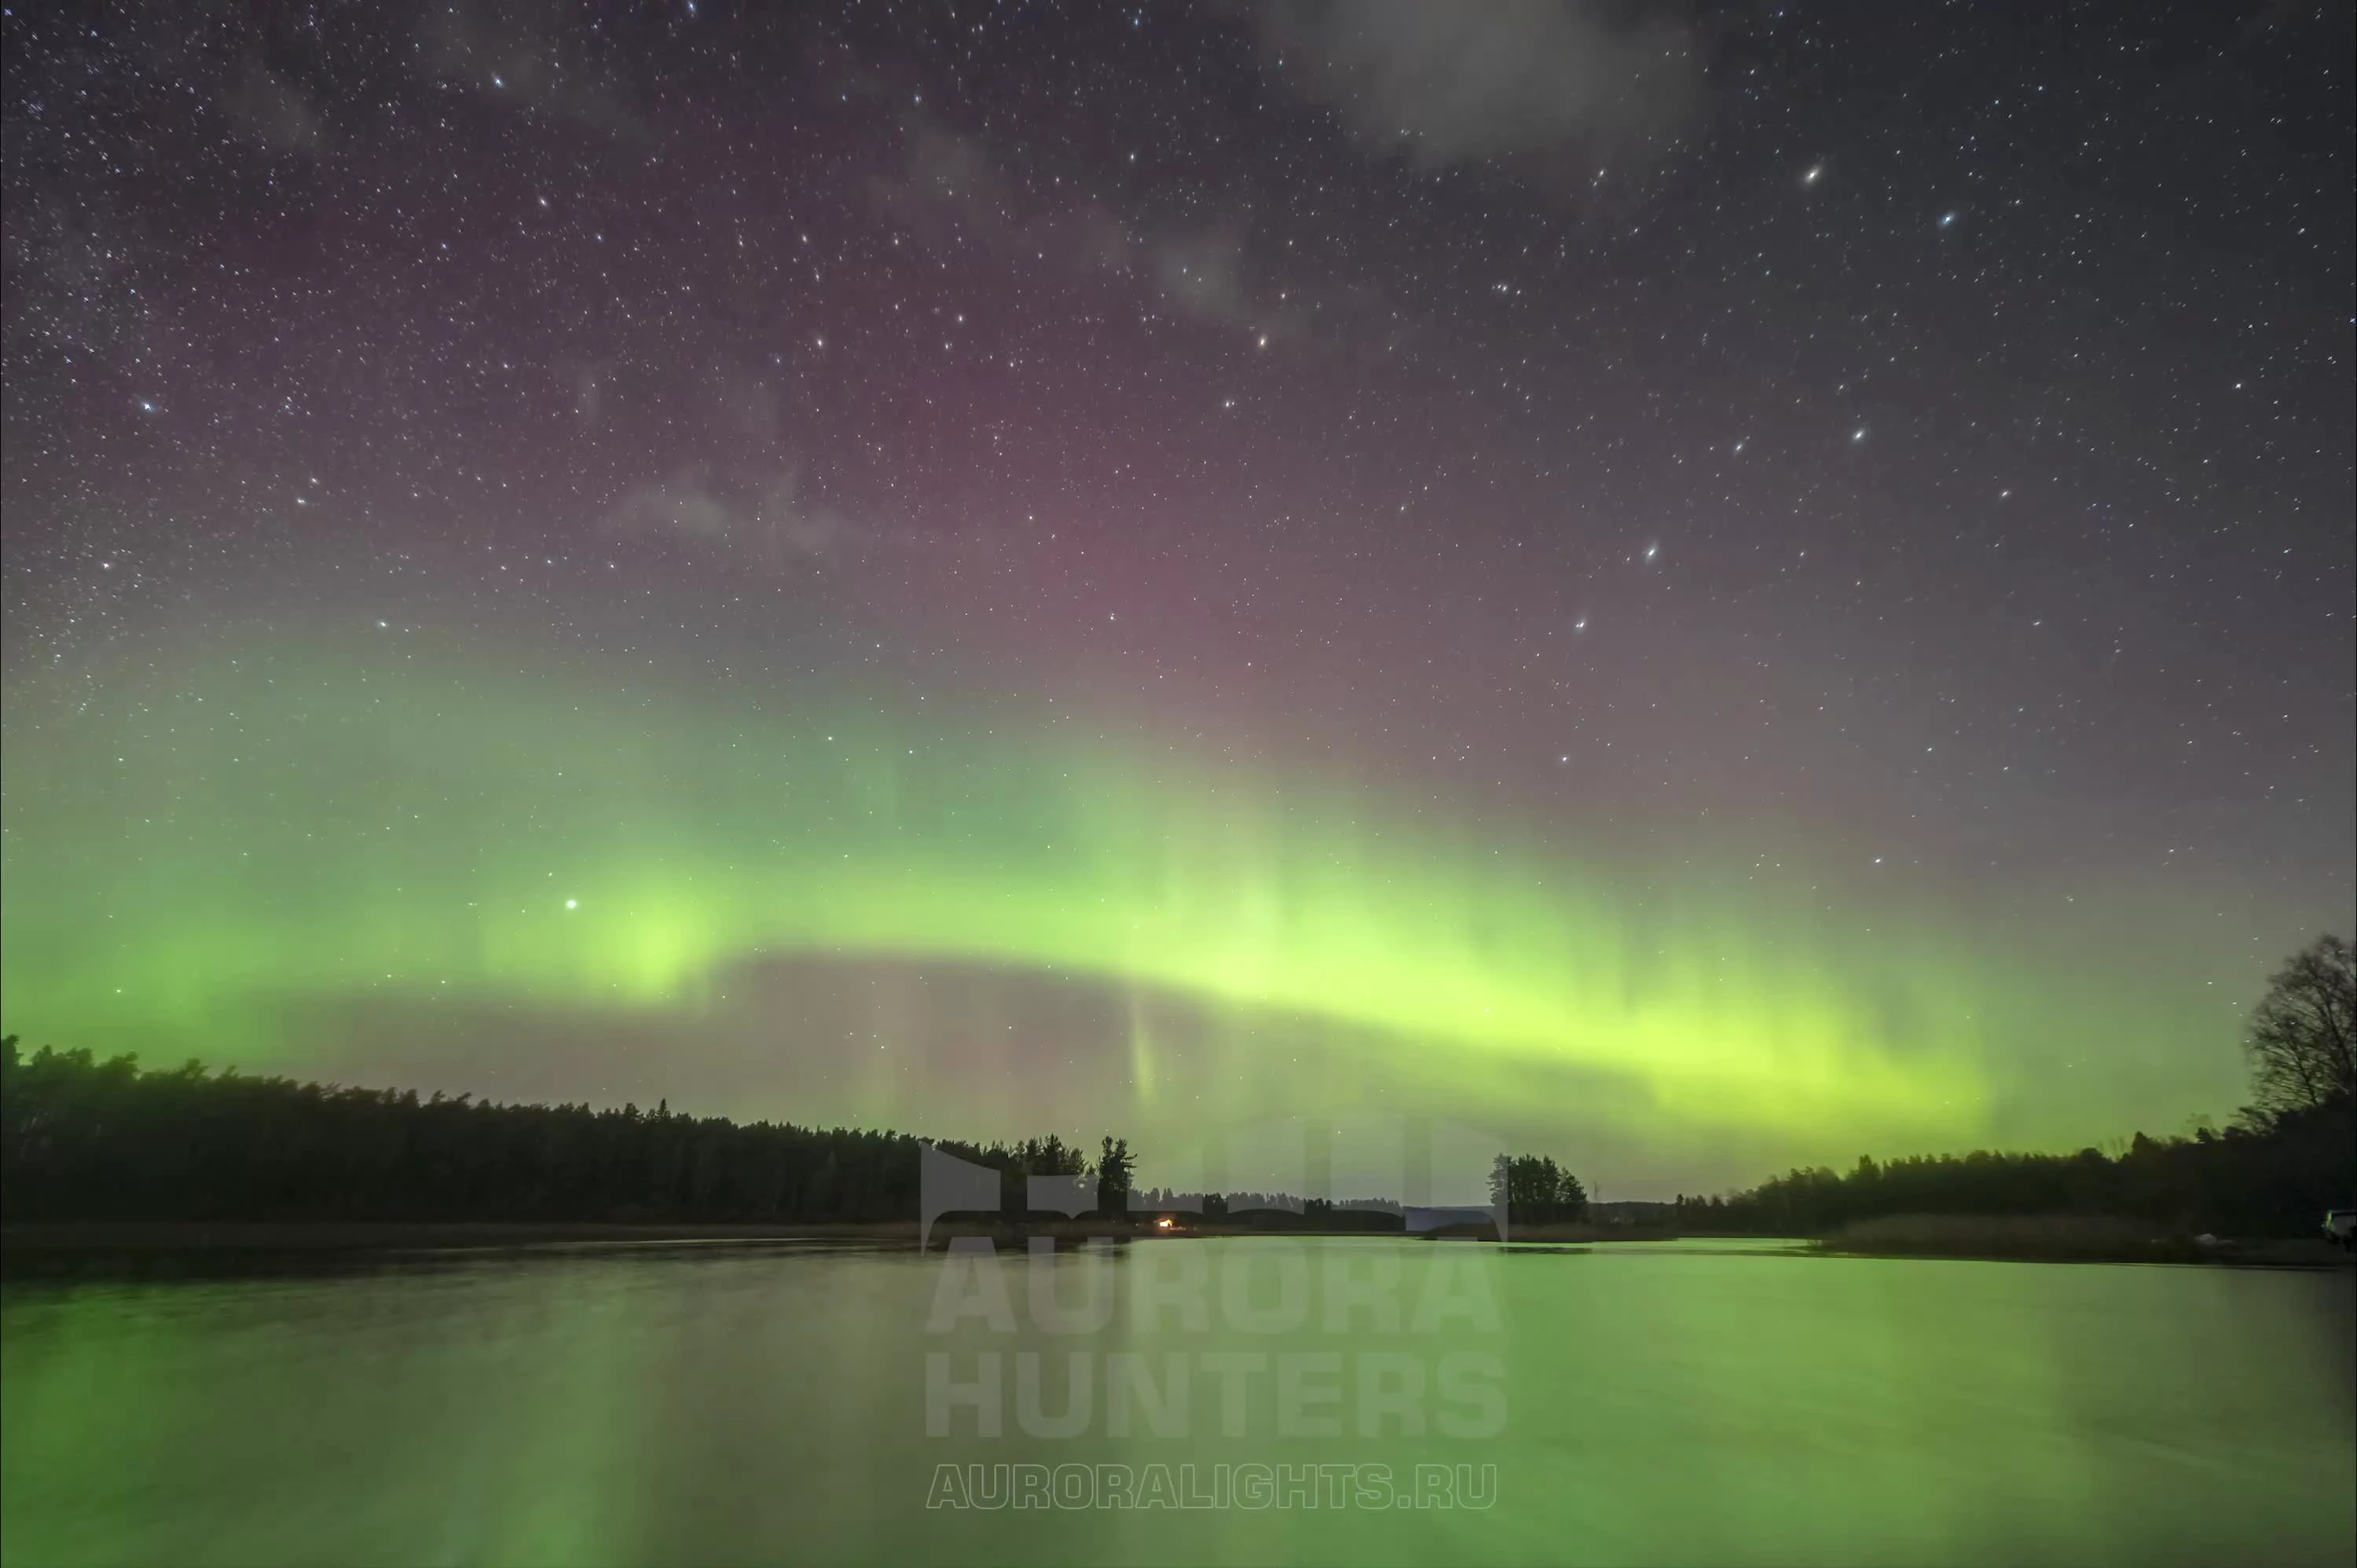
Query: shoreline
[62,1240]
[49,1244]
[2262,1253]
[383,1235]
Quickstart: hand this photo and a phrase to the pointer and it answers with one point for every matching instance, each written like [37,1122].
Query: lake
[1247,1401]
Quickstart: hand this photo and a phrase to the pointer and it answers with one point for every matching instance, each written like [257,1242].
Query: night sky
[1707,588]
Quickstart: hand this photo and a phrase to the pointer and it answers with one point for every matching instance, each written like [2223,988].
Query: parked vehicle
[2340,1227]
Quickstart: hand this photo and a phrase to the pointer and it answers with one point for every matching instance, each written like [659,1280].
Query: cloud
[530,58]
[952,189]
[1201,273]
[757,517]
[1443,84]
[274,110]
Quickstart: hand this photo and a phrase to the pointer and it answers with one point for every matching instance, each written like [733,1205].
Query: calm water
[1635,1405]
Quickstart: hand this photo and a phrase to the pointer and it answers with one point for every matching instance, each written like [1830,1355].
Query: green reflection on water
[1673,1405]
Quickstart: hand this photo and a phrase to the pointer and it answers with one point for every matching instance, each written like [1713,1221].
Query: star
[649,524]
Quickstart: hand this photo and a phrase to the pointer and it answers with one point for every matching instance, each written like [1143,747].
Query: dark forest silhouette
[83,1138]
[2270,1180]
[1536,1192]
[2290,1156]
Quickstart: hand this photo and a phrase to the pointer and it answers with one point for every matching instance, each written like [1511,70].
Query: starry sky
[1705,588]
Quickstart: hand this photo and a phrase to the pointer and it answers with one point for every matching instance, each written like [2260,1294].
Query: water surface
[1672,1404]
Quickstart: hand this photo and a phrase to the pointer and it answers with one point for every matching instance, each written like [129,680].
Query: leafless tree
[2302,1040]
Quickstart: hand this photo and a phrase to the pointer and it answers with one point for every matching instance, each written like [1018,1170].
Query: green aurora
[180,874]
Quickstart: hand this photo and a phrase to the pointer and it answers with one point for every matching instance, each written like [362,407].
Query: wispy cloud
[274,110]
[1441,84]
[533,58]
[954,189]
[761,518]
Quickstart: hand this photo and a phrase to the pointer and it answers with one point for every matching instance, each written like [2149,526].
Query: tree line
[84,1139]
[2274,1180]
[2287,1157]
